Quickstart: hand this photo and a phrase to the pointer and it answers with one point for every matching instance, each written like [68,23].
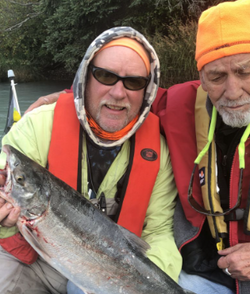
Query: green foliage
[72,27]
[21,39]
[176,53]
[74,24]
[39,36]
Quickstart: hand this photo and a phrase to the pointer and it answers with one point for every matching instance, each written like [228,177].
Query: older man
[103,141]
[207,129]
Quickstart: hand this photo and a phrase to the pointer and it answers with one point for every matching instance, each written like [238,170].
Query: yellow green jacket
[31,135]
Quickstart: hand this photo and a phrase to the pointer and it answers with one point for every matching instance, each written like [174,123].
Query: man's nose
[234,88]
[118,90]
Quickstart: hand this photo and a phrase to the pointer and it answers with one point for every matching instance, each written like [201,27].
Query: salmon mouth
[6,173]
[3,172]
[6,188]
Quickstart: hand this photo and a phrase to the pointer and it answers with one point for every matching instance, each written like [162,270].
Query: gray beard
[235,120]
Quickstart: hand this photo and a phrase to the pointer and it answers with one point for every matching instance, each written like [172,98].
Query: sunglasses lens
[109,78]
[105,77]
[135,83]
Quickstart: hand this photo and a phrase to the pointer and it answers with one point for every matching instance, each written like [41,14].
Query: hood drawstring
[210,136]
[241,147]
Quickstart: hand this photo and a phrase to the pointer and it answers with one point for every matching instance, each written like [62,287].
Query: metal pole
[11,77]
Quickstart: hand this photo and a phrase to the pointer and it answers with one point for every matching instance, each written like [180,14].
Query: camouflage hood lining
[81,77]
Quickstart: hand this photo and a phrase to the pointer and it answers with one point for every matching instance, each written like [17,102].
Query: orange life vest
[64,159]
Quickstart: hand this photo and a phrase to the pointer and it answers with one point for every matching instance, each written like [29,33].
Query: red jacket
[176,107]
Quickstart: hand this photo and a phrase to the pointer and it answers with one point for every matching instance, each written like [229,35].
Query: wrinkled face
[113,107]
[227,81]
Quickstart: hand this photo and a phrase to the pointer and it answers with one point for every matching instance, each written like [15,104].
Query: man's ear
[203,84]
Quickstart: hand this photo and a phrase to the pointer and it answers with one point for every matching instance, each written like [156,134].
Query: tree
[48,34]
[21,38]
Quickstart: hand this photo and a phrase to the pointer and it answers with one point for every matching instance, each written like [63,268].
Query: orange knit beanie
[223,30]
[132,44]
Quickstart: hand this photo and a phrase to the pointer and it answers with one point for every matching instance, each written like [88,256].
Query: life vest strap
[235,215]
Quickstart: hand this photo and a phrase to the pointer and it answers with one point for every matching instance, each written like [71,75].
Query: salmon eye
[20,179]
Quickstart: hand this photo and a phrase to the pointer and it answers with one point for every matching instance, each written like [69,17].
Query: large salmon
[75,237]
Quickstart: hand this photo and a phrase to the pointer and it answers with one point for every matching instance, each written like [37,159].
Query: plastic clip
[220,245]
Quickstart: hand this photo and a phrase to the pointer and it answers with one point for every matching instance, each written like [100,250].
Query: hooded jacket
[79,83]
[35,137]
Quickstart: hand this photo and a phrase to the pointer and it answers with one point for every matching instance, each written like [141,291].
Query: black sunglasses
[109,78]
[196,206]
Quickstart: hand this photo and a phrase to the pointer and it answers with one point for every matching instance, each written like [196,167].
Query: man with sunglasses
[102,141]
[207,129]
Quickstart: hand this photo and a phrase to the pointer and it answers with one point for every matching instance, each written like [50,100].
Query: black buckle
[235,215]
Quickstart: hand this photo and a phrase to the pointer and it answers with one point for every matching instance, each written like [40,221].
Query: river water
[27,93]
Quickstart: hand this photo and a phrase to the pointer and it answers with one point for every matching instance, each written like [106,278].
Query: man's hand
[49,99]
[237,260]
[8,213]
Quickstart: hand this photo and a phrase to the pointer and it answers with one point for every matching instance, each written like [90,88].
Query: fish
[75,237]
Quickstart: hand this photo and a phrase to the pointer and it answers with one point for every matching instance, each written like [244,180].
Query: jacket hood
[81,78]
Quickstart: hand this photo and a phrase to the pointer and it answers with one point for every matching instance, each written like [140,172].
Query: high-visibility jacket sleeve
[158,224]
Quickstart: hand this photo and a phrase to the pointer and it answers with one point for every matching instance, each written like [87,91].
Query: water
[27,93]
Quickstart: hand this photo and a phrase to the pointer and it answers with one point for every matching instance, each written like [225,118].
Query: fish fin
[135,241]
[34,243]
